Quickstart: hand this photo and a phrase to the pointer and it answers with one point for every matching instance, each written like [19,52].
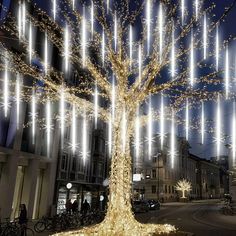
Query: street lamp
[69,186]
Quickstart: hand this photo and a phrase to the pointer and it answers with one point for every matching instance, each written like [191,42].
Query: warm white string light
[205,37]
[226,72]
[111,117]
[73,5]
[187,120]
[113,97]
[202,124]
[162,122]
[123,131]
[110,135]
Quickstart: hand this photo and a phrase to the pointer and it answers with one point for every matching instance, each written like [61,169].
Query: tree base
[124,227]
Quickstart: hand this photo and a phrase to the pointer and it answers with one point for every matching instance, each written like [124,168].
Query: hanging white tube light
[73,130]
[6,89]
[18,99]
[202,123]
[162,122]
[83,38]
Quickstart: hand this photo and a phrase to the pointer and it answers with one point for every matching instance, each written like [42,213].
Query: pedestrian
[23,219]
[68,206]
[75,206]
[84,209]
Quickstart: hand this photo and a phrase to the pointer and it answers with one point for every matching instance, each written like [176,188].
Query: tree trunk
[119,220]
[119,205]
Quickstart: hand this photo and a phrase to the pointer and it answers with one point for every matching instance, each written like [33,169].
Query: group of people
[73,207]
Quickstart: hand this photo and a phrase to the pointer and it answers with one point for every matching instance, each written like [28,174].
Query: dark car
[140,206]
[153,204]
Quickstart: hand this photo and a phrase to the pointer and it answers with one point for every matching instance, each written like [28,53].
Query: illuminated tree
[121,67]
[183,186]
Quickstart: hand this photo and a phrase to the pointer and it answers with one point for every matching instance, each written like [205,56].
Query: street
[200,217]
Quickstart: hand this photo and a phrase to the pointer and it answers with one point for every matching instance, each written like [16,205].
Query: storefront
[80,192]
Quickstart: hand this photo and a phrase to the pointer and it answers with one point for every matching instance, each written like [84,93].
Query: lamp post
[68,187]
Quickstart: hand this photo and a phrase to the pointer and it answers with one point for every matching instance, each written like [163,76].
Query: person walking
[23,219]
[68,206]
[84,210]
[75,206]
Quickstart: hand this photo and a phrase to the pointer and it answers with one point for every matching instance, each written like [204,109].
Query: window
[165,188]
[154,189]
[74,164]
[64,162]
[99,167]
[169,189]
[154,174]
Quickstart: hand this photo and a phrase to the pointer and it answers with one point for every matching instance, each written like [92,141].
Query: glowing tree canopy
[183,186]
[124,54]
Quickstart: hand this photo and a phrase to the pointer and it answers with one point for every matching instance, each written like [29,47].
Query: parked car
[153,204]
[140,206]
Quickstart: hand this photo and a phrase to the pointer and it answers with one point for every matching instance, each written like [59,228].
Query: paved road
[201,218]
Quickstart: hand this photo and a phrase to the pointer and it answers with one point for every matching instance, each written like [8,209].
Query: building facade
[159,177]
[27,174]
[86,176]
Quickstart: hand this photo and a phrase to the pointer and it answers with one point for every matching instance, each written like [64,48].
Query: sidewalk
[190,202]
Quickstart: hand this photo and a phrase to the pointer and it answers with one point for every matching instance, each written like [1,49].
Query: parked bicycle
[227,209]
[67,221]
[12,228]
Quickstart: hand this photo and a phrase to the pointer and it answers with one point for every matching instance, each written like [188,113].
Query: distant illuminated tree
[183,186]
